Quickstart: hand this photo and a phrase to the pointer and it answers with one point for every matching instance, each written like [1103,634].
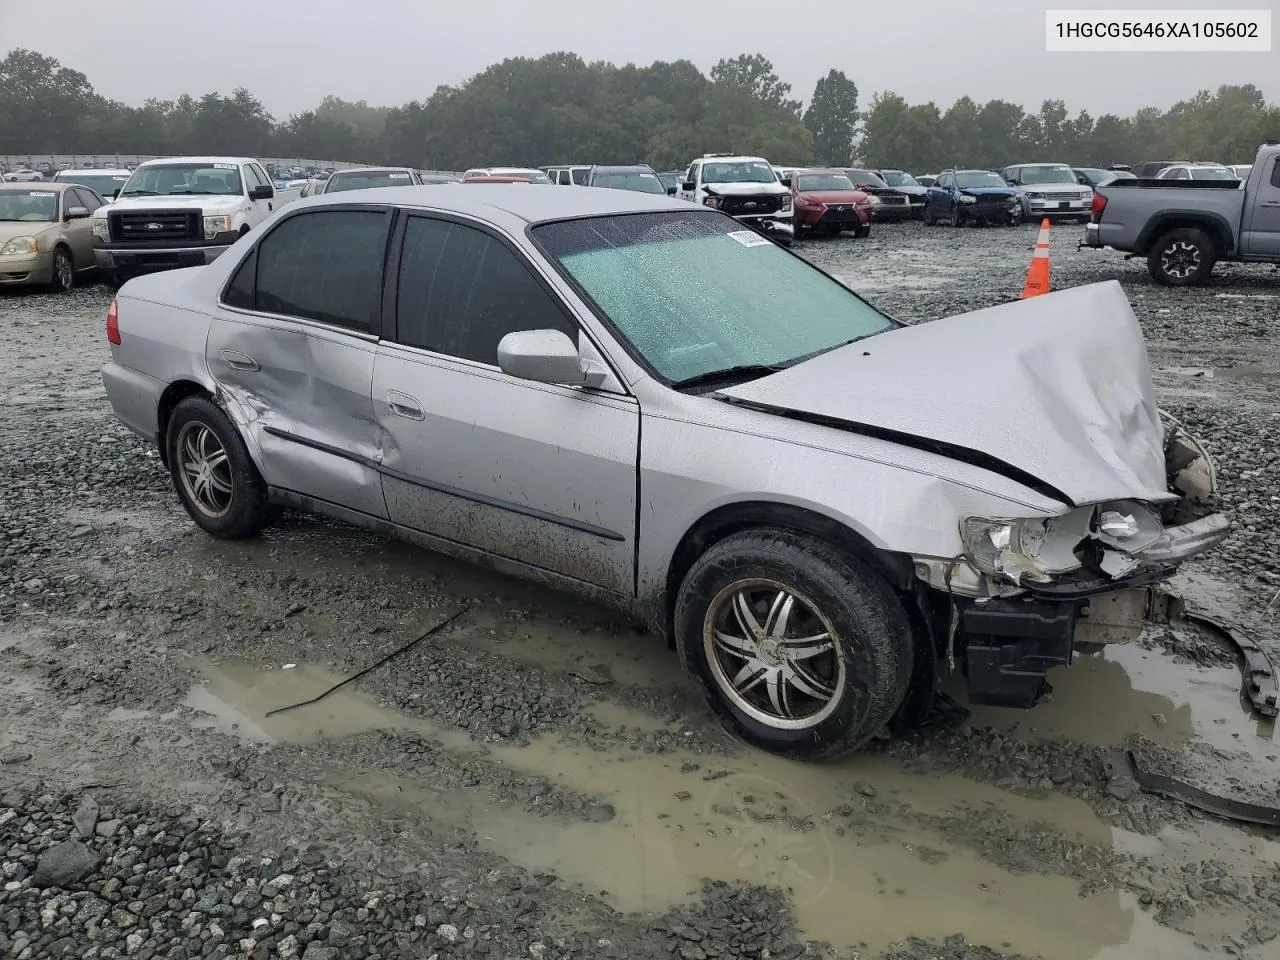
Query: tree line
[561,109]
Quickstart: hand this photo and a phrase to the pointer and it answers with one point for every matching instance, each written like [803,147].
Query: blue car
[972,196]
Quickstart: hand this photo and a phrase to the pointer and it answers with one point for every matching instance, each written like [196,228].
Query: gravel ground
[533,780]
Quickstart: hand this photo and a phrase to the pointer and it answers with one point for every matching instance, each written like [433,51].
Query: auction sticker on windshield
[749,238]
[224,166]
[41,193]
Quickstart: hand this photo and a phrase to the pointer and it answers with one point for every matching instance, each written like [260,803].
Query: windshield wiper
[744,371]
[139,193]
[182,193]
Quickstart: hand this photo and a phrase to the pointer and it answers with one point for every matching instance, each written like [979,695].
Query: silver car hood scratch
[1056,388]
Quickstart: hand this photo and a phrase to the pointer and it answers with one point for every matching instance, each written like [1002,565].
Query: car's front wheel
[64,271]
[800,649]
[215,477]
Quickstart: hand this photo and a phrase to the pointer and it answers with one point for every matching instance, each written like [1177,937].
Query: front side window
[896,178]
[324,266]
[579,175]
[252,176]
[171,179]
[462,290]
[749,303]
[1212,173]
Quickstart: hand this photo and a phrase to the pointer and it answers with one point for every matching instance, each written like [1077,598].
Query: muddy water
[857,843]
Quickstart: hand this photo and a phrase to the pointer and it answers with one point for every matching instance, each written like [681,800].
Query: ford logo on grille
[750,205]
[154,226]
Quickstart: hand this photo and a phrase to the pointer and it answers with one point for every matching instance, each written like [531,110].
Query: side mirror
[265,192]
[671,190]
[688,185]
[77,213]
[546,356]
[786,181]
[1012,183]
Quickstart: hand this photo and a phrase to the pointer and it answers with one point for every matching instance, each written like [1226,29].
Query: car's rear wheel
[1182,258]
[929,218]
[64,271]
[215,478]
[862,231]
[800,649]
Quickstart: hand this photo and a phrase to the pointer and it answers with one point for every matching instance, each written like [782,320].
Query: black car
[891,203]
[1097,177]
[915,191]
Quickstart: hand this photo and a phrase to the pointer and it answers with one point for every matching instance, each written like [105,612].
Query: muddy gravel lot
[535,780]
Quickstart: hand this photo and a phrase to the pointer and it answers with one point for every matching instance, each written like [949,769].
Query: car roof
[99,171]
[162,160]
[370,170]
[1039,163]
[46,185]
[498,201]
[642,167]
[839,170]
[743,159]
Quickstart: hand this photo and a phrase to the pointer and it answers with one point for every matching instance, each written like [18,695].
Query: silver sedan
[645,403]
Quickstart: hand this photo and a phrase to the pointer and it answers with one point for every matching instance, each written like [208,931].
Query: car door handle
[1270,203]
[239,361]
[403,405]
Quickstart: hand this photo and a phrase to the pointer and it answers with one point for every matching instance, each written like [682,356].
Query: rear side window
[324,266]
[1275,172]
[462,290]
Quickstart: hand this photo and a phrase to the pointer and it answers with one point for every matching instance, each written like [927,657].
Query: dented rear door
[292,347]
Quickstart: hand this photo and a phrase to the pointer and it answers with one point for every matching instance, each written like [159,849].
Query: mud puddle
[235,697]
[840,838]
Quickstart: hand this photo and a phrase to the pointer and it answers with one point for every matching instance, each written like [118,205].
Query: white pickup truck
[747,188]
[181,212]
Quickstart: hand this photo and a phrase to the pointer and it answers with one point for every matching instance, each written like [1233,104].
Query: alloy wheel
[773,654]
[1180,259]
[204,469]
[65,271]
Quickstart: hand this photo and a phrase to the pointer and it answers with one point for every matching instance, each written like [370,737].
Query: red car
[826,201]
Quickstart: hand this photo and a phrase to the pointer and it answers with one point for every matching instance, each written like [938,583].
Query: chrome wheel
[773,654]
[1180,259]
[204,469]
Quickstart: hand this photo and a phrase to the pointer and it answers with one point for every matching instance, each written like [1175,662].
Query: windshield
[1212,173]
[749,302]
[971,179]
[866,177]
[824,181]
[748,171]
[104,185]
[367,179]
[167,179]
[1037,175]
[39,206]
[635,180]
[896,178]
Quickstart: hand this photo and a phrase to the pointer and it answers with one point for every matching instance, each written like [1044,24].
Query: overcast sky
[291,54]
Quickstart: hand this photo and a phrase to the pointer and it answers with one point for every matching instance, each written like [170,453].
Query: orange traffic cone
[1038,276]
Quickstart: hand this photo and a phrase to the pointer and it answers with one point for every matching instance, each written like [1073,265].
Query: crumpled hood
[194,201]
[748,188]
[1057,387]
[989,191]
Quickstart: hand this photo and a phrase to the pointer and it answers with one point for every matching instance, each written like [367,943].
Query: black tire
[957,217]
[198,426]
[929,219]
[64,271]
[1182,258]
[862,232]
[118,278]
[866,669]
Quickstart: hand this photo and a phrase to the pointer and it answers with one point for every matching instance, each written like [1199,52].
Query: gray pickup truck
[1184,227]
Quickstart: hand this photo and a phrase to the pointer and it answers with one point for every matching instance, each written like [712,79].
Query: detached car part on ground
[821,536]
[1184,227]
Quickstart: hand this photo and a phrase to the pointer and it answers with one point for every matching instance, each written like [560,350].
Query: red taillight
[113,324]
[1095,209]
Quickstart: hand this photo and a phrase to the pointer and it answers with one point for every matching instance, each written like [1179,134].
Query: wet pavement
[538,773]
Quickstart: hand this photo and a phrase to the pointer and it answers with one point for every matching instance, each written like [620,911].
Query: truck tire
[1183,257]
[799,648]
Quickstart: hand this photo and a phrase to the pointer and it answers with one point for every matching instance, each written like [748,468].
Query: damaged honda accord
[824,511]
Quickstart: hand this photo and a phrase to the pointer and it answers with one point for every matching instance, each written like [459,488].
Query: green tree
[755,72]
[832,119]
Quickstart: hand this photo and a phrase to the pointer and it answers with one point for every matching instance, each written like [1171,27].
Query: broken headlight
[1104,537]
